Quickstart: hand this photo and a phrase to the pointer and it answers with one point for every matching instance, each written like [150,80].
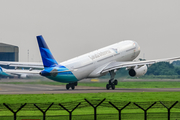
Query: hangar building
[9,52]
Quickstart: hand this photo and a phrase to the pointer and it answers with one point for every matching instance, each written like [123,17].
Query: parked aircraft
[92,65]
[18,73]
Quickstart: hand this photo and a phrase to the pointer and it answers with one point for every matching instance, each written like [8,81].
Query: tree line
[164,68]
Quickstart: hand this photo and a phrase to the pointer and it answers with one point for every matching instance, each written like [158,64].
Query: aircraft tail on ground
[1,69]
[46,55]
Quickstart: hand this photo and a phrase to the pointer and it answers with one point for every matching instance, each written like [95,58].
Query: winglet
[46,55]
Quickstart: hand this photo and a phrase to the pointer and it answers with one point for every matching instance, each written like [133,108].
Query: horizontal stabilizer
[54,71]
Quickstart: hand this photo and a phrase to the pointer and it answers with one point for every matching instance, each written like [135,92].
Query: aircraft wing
[131,64]
[19,72]
[22,64]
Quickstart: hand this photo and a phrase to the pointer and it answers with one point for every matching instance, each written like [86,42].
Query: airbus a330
[92,65]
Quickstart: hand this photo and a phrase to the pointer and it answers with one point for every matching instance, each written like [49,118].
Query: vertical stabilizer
[1,69]
[46,55]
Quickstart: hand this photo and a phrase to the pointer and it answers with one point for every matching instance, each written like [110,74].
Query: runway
[49,89]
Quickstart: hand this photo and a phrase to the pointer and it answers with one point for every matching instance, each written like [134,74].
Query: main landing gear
[112,82]
[71,85]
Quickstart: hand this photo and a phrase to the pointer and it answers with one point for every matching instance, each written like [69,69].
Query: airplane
[92,65]
[9,73]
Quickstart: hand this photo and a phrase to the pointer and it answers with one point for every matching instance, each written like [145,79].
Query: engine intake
[23,76]
[132,72]
[137,72]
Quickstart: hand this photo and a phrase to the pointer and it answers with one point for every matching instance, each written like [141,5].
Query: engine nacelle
[23,76]
[136,72]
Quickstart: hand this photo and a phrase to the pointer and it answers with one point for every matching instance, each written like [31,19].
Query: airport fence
[92,109]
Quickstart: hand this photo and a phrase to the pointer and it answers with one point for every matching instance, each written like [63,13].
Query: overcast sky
[74,27]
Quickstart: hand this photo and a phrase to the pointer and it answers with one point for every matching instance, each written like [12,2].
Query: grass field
[68,97]
[86,112]
[105,112]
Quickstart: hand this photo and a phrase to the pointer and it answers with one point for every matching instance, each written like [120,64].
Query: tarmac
[59,89]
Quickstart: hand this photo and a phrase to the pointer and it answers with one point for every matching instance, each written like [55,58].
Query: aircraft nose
[137,46]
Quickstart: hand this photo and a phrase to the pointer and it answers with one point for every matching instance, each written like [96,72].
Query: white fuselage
[89,65]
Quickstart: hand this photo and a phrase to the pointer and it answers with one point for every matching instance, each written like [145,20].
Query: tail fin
[1,69]
[46,55]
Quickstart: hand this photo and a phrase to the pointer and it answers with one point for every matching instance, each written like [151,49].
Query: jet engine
[138,71]
[23,76]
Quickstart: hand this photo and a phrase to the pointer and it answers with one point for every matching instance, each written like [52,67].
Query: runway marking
[94,80]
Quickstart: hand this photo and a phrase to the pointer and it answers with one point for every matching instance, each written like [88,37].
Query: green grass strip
[68,97]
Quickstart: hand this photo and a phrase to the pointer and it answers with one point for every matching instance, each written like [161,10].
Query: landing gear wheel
[67,86]
[110,82]
[108,86]
[73,87]
[115,82]
[75,84]
[113,86]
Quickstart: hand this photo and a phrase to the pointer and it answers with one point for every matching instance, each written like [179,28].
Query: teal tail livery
[52,69]
[2,73]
